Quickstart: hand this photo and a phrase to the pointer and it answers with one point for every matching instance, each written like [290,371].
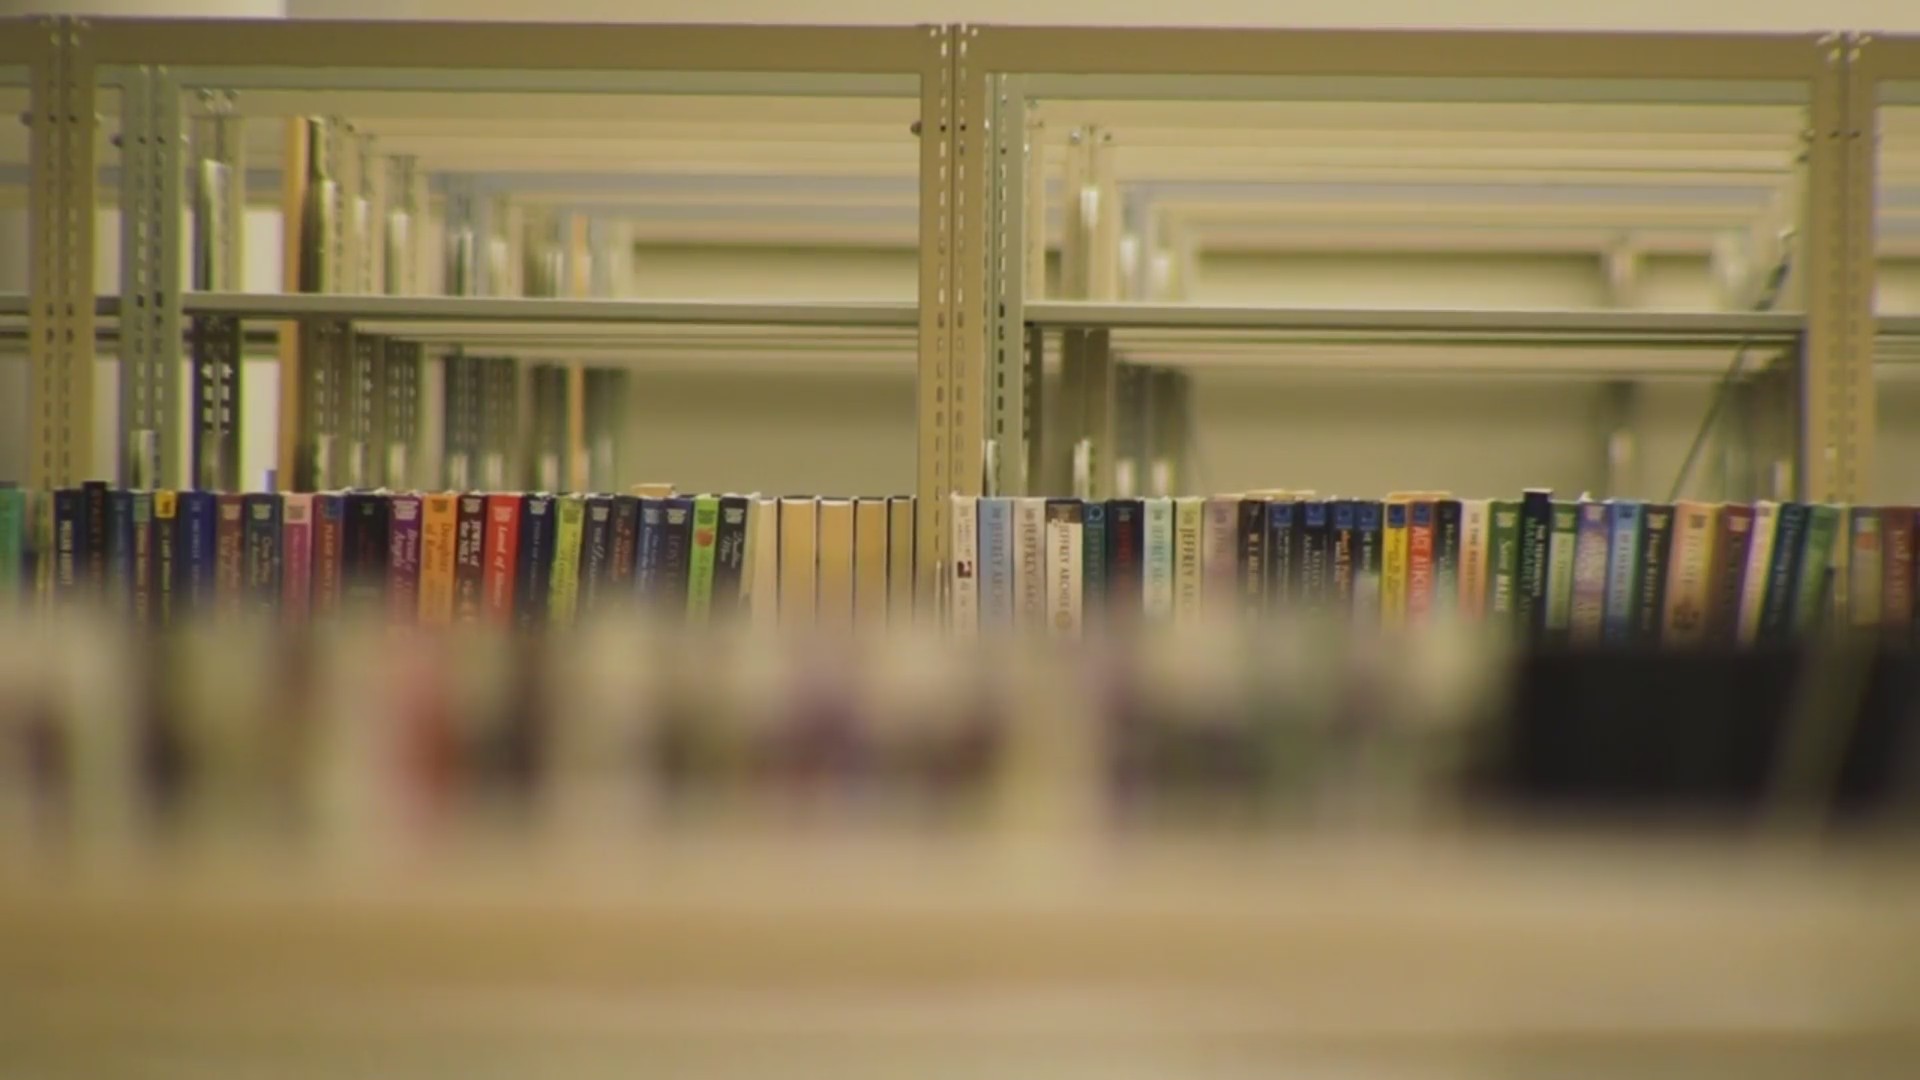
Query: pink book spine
[296,552]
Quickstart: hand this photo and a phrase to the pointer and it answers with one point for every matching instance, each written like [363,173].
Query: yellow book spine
[870,564]
[1394,563]
[563,594]
[440,517]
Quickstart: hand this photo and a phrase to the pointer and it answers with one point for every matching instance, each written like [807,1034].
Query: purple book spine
[403,561]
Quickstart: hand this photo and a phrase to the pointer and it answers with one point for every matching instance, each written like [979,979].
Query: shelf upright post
[1008,377]
[61,209]
[150,213]
[941,375]
[462,379]
[219,193]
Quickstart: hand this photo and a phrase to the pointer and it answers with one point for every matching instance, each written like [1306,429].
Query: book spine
[763,558]
[1369,536]
[403,559]
[701,558]
[329,548]
[963,601]
[1093,559]
[166,559]
[1422,559]
[296,558]
[533,587]
[648,541]
[1733,539]
[13,547]
[1252,543]
[1316,554]
[1396,552]
[1865,586]
[902,536]
[1590,574]
[1690,579]
[1219,558]
[439,558]
[1783,571]
[1812,584]
[143,598]
[67,527]
[624,544]
[1126,569]
[1561,544]
[996,563]
[729,554]
[1504,602]
[94,535]
[1342,553]
[596,554]
[1030,563]
[1623,568]
[1754,575]
[120,549]
[1283,551]
[1065,548]
[501,550]
[469,559]
[676,553]
[1156,597]
[230,553]
[563,584]
[262,553]
[1470,595]
[369,554]
[1189,515]
[1656,556]
[1536,531]
[202,512]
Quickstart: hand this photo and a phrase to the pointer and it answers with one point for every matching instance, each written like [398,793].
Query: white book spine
[763,555]
[1187,529]
[1064,570]
[963,584]
[1157,549]
[1030,563]
[1753,581]
[1475,516]
[1219,562]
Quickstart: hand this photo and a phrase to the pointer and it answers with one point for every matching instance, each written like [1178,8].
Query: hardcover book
[1396,551]
[869,563]
[403,560]
[1733,537]
[730,556]
[1157,563]
[1755,575]
[262,538]
[1865,591]
[963,601]
[1590,573]
[996,550]
[1065,547]
[1253,558]
[229,553]
[1188,525]
[329,552]
[833,602]
[470,559]
[533,573]
[569,533]
[1126,560]
[1690,578]
[1623,571]
[1536,530]
[1504,602]
[1560,557]
[1783,571]
[1812,577]
[799,560]
[296,558]
[501,552]
[1656,547]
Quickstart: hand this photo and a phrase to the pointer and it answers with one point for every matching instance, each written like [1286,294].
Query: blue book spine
[996,562]
[535,572]
[1783,572]
[198,560]
[120,548]
[676,553]
[1093,557]
[646,549]
[1623,562]
[1283,561]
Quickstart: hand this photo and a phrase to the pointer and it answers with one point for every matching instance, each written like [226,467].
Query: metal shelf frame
[1886,70]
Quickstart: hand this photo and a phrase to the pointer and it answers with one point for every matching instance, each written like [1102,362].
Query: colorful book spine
[13,547]
[1448,524]
[1561,545]
[563,582]
[119,555]
[68,524]
[329,552]
[1422,525]
[143,562]
[596,553]
[1252,535]
[1126,560]
[94,535]
[439,557]
[1342,554]
[1754,576]
[1504,604]
[1536,531]
[1093,559]
[624,545]
[230,553]
[1590,574]
[1316,554]
[1189,515]
[167,587]
[996,563]
[1656,555]
[1783,572]
[470,560]
[1030,563]
[1476,520]
[676,553]
[649,541]
[1690,577]
[1396,554]
[1623,568]
[963,589]
[1065,548]
[700,558]
[1283,553]
[1732,541]
[1369,526]
[403,560]
[730,555]
[1813,577]
[502,554]
[1219,559]
[262,538]
[1157,560]
[296,558]
[533,584]
[1865,568]
[200,526]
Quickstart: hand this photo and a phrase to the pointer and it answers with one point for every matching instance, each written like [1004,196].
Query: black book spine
[1343,558]
[596,548]
[1536,530]
[69,522]
[1446,554]
[469,559]
[1650,584]
[676,550]
[729,553]
[95,529]
[1316,555]
[1253,557]
[535,572]
[262,533]
[1783,572]
[120,548]
[1283,554]
[364,559]
[1126,559]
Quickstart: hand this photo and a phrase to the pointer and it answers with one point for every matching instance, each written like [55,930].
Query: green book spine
[13,528]
[1560,564]
[1503,559]
[706,527]
[569,521]
[1823,533]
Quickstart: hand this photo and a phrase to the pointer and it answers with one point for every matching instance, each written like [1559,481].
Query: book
[1156,592]
[167,564]
[1755,574]
[1030,563]
[1865,570]
[623,544]
[649,537]
[902,538]
[94,531]
[1219,557]
[1395,550]
[439,541]
[119,554]
[1093,559]
[1623,568]
[1536,530]
[569,534]
[1369,525]
[261,537]
[730,556]
[996,551]
[1342,551]
[403,559]
[68,523]
[1783,571]
[1189,515]
[500,548]
[13,547]
[1422,525]
[1733,536]
[37,547]
[1448,515]
[1126,570]
[701,558]
[470,559]
[142,598]
[675,533]
[533,569]
[870,564]
[1283,552]
[834,586]
[365,551]
[1503,604]
[596,554]
[329,552]
[1476,523]
[199,550]
[1316,554]
[1656,547]
[799,541]
[296,558]
[1812,578]
[763,555]
[1561,544]
[1065,547]
[1897,534]
[1690,574]
[1590,573]
[229,553]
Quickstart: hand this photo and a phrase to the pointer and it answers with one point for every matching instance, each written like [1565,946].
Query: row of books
[435,559]
[1573,572]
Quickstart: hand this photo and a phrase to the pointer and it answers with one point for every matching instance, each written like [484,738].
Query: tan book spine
[833,598]
[901,540]
[799,540]
[870,564]
[763,563]
[440,518]
[1690,573]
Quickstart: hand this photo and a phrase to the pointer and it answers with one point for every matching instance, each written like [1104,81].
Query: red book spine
[229,542]
[328,541]
[501,551]
[1896,580]
[1419,560]
[296,555]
